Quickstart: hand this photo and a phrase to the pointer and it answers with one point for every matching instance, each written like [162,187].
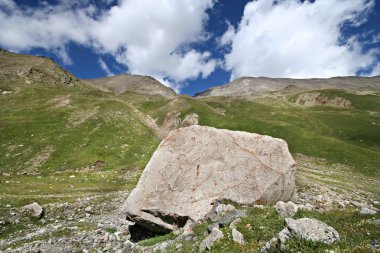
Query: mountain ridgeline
[78,148]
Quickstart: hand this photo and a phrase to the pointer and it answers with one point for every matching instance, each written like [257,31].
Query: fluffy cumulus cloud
[290,38]
[149,37]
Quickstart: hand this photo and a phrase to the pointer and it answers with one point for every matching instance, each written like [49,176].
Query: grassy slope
[31,121]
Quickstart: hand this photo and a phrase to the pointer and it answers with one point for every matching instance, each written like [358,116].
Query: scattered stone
[234,223]
[268,245]
[227,219]
[306,207]
[375,222]
[367,210]
[286,210]
[89,210]
[188,228]
[309,229]
[210,227]
[177,184]
[223,209]
[237,236]
[214,236]
[34,209]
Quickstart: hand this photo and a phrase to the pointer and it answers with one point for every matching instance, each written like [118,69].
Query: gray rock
[223,209]
[268,245]
[366,210]
[128,247]
[195,166]
[309,229]
[237,236]
[34,209]
[207,243]
[234,223]
[89,210]
[210,227]
[229,218]
[286,210]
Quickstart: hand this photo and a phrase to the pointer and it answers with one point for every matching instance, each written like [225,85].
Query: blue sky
[192,45]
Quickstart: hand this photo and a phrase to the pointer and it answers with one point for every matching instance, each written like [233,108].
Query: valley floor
[81,218]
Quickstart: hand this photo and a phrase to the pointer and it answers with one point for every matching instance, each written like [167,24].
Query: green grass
[154,240]
[261,225]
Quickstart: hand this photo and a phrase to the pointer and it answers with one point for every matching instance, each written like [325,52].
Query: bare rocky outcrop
[317,99]
[195,166]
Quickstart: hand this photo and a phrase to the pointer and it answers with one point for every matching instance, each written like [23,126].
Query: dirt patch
[79,117]
[316,99]
[36,162]
[60,101]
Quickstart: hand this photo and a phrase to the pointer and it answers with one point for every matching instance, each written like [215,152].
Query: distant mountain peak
[134,83]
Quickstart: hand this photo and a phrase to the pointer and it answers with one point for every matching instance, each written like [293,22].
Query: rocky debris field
[327,213]
[98,224]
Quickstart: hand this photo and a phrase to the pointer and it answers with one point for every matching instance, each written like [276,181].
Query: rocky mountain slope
[134,83]
[256,86]
[79,151]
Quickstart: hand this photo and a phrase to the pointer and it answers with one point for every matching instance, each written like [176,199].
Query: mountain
[135,83]
[256,86]
[79,148]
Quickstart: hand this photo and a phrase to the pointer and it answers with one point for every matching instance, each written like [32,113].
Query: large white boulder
[197,165]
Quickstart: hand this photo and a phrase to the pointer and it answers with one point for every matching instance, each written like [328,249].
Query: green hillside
[61,140]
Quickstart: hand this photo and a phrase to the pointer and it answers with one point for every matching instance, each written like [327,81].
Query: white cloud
[105,68]
[288,38]
[375,70]
[149,37]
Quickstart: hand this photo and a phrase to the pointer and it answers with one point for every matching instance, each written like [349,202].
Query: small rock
[238,237]
[89,209]
[223,209]
[234,223]
[210,227]
[72,176]
[128,247]
[310,229]
[227,219]
[375,222]
[188,228]
[366,210]
[34,209]
[207,243]
[268,245]
[286,210]
[306,207]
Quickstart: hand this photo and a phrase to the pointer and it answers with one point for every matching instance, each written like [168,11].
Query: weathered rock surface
[286,210]
[214,236]
[34,209]
[195,166]
[316,99]
[309,229]
[367,210]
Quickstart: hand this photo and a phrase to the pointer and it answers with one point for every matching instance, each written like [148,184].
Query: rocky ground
[96,223]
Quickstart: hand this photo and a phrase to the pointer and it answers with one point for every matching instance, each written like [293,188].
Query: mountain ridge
[253,86]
